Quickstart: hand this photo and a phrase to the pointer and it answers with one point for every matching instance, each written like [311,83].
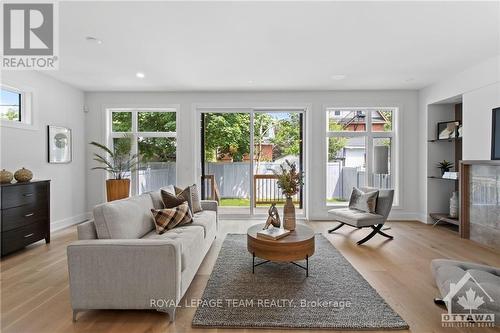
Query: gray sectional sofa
[120,262]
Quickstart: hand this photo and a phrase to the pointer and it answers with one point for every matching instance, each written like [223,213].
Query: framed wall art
[59,144]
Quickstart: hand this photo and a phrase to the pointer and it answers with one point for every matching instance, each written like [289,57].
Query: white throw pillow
[363,201]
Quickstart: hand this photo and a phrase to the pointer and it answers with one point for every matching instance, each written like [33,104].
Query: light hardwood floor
[35,294]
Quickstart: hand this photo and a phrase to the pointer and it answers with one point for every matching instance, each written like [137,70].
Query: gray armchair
[359,219]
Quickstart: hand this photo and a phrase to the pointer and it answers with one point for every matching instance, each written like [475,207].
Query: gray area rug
[278,295]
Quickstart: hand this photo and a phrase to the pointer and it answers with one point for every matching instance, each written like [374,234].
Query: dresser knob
[29,235]
[30,214]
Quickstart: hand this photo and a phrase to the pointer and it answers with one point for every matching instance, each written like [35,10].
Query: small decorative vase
[454,205]
[289,215]
[6,176]
[23,175]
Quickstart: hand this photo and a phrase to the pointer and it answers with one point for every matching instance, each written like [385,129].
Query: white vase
[454,205]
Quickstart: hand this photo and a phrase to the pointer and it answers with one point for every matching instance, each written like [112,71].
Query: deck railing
[266,190]
[211,188]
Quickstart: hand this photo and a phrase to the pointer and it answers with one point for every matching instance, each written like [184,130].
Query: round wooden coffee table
[298,245]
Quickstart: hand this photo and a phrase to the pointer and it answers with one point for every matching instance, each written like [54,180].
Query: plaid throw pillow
[168,218]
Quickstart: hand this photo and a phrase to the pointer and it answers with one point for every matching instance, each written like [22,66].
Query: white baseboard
[67,222]
[402,216]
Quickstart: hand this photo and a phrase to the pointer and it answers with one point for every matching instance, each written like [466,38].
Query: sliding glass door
[225,160]
[277,140]
[243,185]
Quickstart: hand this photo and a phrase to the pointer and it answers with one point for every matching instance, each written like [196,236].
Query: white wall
[54,103]
[477,119]
[479,87]
[188,133]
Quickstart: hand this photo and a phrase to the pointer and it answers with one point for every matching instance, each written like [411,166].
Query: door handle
[30,214]
[29,235]
[28,194]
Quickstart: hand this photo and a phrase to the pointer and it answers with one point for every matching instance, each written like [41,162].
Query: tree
[263,123]
[156,149]
[388,117]
[287,136]
[227,133]
[150,149]
[335,144]
[11,114]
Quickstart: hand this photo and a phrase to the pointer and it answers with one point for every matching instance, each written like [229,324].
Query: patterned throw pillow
[364,201]
[168,218]
[173,200]
[191,192]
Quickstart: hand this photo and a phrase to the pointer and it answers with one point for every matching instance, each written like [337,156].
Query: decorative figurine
[273,218]
[23,175]
[6,176]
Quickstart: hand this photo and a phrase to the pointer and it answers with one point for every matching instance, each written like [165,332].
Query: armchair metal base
[439,301]
[377,229]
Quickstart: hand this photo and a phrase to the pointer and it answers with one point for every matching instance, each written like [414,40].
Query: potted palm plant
[120,163]
[289,181]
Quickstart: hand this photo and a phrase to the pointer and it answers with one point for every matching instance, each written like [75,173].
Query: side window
[11,105]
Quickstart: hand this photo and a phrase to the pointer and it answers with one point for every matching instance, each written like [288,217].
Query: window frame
[369,136]
[135,133]
[25,109]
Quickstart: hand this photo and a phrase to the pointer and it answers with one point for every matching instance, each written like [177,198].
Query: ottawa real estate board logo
[29,36]
[467,302]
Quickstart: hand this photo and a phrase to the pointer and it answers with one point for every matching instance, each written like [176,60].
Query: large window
[151,134]
[361,151]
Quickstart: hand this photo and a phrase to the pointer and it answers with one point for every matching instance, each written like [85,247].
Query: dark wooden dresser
[25,214]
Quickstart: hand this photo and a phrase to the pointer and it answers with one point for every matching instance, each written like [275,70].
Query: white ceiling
[202,46]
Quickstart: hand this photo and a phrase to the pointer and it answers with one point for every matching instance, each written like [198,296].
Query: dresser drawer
[24,194]
[18,238]
[16,217]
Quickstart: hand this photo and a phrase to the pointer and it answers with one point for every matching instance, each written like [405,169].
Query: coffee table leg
[253,262]
[307,265]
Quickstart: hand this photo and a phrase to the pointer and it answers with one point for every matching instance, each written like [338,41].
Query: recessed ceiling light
[249,81]
[338,77]
[93,39]
[140,75]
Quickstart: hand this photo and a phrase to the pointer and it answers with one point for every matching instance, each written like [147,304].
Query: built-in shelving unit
[439,189]
[444,218]
[445,140]
[441,178]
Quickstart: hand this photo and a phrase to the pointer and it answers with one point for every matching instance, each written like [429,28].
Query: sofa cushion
[206,219]
[356,217]
[189,237]
[168,218]
[124,219]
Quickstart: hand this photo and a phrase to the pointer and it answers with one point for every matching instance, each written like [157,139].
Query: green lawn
[335,200]
[242,202]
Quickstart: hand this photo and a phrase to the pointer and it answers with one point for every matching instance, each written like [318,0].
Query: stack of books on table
[273,233]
